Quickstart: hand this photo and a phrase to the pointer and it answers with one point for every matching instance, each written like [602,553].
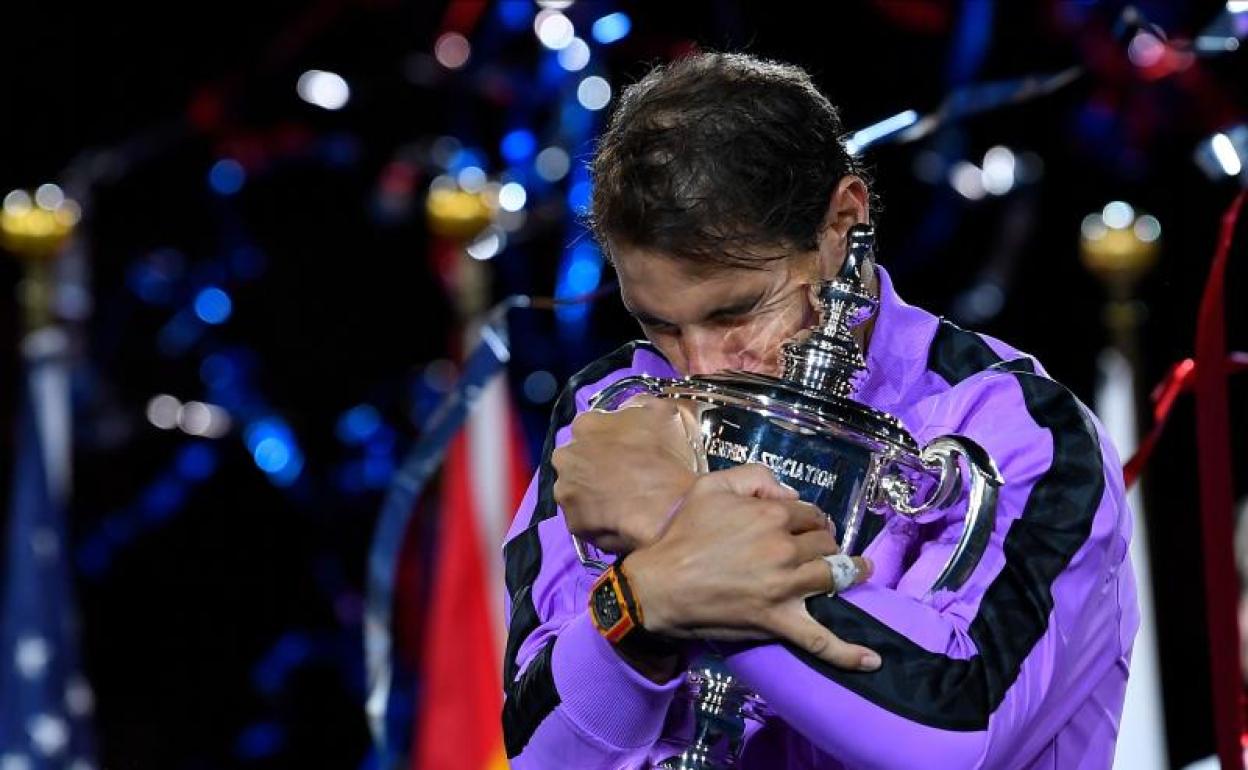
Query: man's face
[707,319]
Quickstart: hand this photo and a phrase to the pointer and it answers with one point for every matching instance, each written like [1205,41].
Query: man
[722,190]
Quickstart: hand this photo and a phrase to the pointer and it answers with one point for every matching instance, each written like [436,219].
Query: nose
[708,351]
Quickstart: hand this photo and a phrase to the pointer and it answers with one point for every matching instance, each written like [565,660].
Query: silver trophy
[850,460]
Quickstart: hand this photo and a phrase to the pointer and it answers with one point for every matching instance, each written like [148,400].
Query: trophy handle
[943,453]
[614,395]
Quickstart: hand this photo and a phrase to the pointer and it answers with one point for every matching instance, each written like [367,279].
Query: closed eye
[732,319]
[735,313]
[727,315]
[660,327]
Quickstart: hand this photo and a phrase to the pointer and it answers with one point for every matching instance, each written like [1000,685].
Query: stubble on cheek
[766,337]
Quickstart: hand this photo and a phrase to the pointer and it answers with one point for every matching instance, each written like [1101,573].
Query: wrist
[654,656]
[620,618]
[640,573]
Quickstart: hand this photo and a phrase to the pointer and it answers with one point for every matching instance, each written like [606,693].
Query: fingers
[818,576]
[779,491]
[794,624]
[846,571]
[749,480]
[646,420]
[815,545]
[804,517]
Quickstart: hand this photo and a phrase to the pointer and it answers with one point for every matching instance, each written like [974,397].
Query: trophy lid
[799,408]
[826,357]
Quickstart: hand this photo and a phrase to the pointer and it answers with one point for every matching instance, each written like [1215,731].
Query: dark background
[222,630]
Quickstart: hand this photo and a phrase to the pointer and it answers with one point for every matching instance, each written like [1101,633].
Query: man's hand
[737,561]
[623,472]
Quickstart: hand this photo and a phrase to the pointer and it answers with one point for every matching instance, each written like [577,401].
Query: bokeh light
[452,50]
[226,176]
[327,90]
[612,27]
[594,92]
[552,164]
[554,30]
[213,306]
[575,56]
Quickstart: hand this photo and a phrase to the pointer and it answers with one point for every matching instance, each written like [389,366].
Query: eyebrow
[740,307]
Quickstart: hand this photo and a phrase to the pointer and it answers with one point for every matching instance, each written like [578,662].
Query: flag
[458,722]
[1142,731]
[480,391]
[45,702]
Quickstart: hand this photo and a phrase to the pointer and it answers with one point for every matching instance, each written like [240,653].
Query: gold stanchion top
[35,228]
[468,215]
[457,213]
[1119,246]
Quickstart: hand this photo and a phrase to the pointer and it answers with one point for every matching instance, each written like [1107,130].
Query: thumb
[794,624]
[749,480]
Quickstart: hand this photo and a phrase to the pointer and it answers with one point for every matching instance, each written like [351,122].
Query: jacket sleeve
[986,675]
[569,700]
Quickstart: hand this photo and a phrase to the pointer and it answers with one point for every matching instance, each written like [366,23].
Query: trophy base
[722,708]
[691,759]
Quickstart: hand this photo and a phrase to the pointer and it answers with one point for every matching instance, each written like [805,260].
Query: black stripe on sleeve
[935,689]
[530,698]
[957,354]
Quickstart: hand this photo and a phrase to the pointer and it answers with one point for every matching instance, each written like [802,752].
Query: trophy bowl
[844,457]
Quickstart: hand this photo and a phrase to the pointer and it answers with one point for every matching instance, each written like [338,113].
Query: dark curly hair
[715,156]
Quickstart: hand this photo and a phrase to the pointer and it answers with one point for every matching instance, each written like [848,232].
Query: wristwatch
[618,617]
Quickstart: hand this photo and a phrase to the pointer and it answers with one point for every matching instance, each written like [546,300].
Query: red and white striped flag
[458,722]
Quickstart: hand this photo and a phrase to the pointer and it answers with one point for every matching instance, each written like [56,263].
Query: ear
[848,205]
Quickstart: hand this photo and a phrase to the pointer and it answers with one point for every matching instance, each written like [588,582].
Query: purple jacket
[1025,666]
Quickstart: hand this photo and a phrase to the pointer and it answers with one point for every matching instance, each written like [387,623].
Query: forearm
[849,727]
[920,709]
[952,692]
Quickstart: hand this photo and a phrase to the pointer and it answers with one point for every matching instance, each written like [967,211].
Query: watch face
[607,606]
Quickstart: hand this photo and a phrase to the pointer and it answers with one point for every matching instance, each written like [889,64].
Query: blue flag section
[45,702]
